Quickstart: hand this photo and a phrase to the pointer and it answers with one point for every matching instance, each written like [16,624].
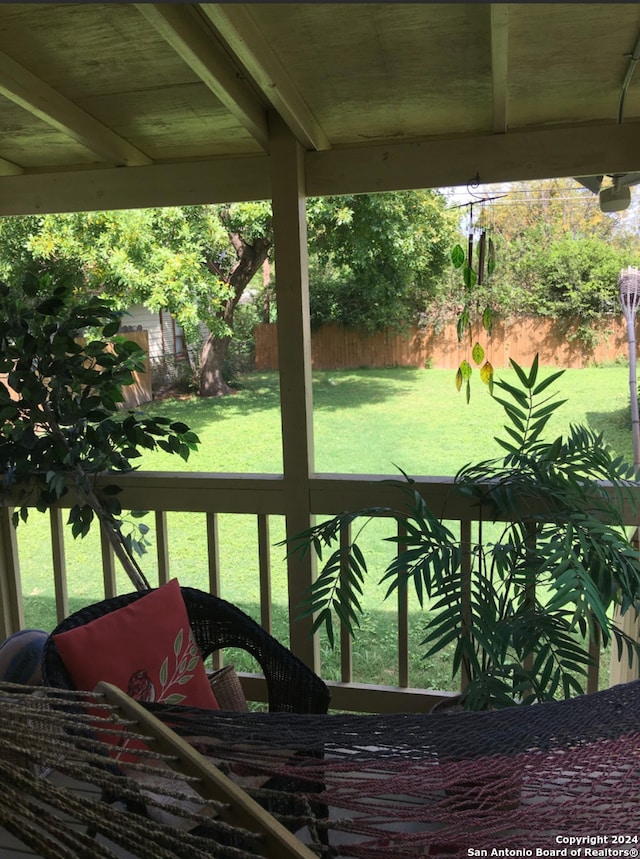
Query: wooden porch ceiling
[121,104]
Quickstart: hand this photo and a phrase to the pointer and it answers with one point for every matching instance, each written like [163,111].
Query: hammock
[555,776]
[546,777]
[94,776]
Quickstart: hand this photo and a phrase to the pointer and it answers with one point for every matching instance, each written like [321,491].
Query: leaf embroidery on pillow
[186,658]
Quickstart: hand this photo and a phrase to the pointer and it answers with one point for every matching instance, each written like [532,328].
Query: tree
[194,261]
[376,258]
[63,371]
[197,261]
[558,254]
[249,230]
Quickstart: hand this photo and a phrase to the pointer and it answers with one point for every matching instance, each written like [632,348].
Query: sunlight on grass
[371,421]
[367,421]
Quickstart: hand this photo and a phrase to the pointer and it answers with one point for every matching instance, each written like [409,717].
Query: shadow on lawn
[341,390]
[338,390]
[616,428]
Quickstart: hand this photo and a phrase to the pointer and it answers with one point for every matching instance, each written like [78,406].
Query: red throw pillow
[146,649]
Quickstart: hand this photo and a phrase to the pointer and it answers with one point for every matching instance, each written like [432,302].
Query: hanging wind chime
[483,250]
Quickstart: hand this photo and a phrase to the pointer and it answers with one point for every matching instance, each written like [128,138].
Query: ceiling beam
[25,89]
[499,64]
[8,168]
[196,45]
[516,156]
[237,28]
[192,183]
[438,163]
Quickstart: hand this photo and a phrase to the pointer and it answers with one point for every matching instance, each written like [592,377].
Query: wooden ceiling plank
[236,26]
[499,65]
[199,50]
[34,95]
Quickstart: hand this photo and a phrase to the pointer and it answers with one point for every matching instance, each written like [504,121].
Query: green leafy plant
[538,583]
[61,429]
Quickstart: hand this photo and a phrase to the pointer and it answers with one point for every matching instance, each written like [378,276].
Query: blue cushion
[20,657]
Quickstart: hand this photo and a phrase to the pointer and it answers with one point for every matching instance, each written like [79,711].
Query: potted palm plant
[63,367]
[548,563]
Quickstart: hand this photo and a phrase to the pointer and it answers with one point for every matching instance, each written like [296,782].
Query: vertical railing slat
[593,672]
[264,565]
[11,605]
[465,593]
[213,553]
[108,566]
[403,621]
[346,642]
[530,592]
[213,556]
[59,563]
[162,547]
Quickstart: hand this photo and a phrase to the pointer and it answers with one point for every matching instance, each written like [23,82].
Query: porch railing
[263,496]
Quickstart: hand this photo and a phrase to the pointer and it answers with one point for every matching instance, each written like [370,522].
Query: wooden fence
[134,395]
[334,347]
[140,392]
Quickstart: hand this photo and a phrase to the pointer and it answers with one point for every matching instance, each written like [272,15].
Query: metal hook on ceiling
[473,184]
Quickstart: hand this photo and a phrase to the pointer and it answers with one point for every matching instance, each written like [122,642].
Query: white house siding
[159,325]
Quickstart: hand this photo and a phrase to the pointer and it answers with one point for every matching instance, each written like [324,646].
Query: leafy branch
[61,427]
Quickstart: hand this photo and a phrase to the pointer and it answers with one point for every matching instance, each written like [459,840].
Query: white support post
[294,347]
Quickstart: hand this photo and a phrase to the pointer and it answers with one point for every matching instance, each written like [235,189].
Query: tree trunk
[249,259]
[214,352]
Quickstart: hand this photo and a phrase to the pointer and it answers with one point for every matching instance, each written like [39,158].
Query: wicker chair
[292,686]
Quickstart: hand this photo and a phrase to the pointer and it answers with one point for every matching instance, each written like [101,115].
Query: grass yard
[366,421]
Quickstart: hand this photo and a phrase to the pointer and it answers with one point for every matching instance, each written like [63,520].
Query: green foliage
[559,564]
[194,261]
[559,255]
[575,278]
[375,258]
[156,257]
[64,368]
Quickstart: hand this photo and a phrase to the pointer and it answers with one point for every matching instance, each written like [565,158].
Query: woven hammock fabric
[367,787]
[400,786]
[66,793]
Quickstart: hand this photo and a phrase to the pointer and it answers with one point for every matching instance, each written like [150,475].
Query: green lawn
[367,421]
